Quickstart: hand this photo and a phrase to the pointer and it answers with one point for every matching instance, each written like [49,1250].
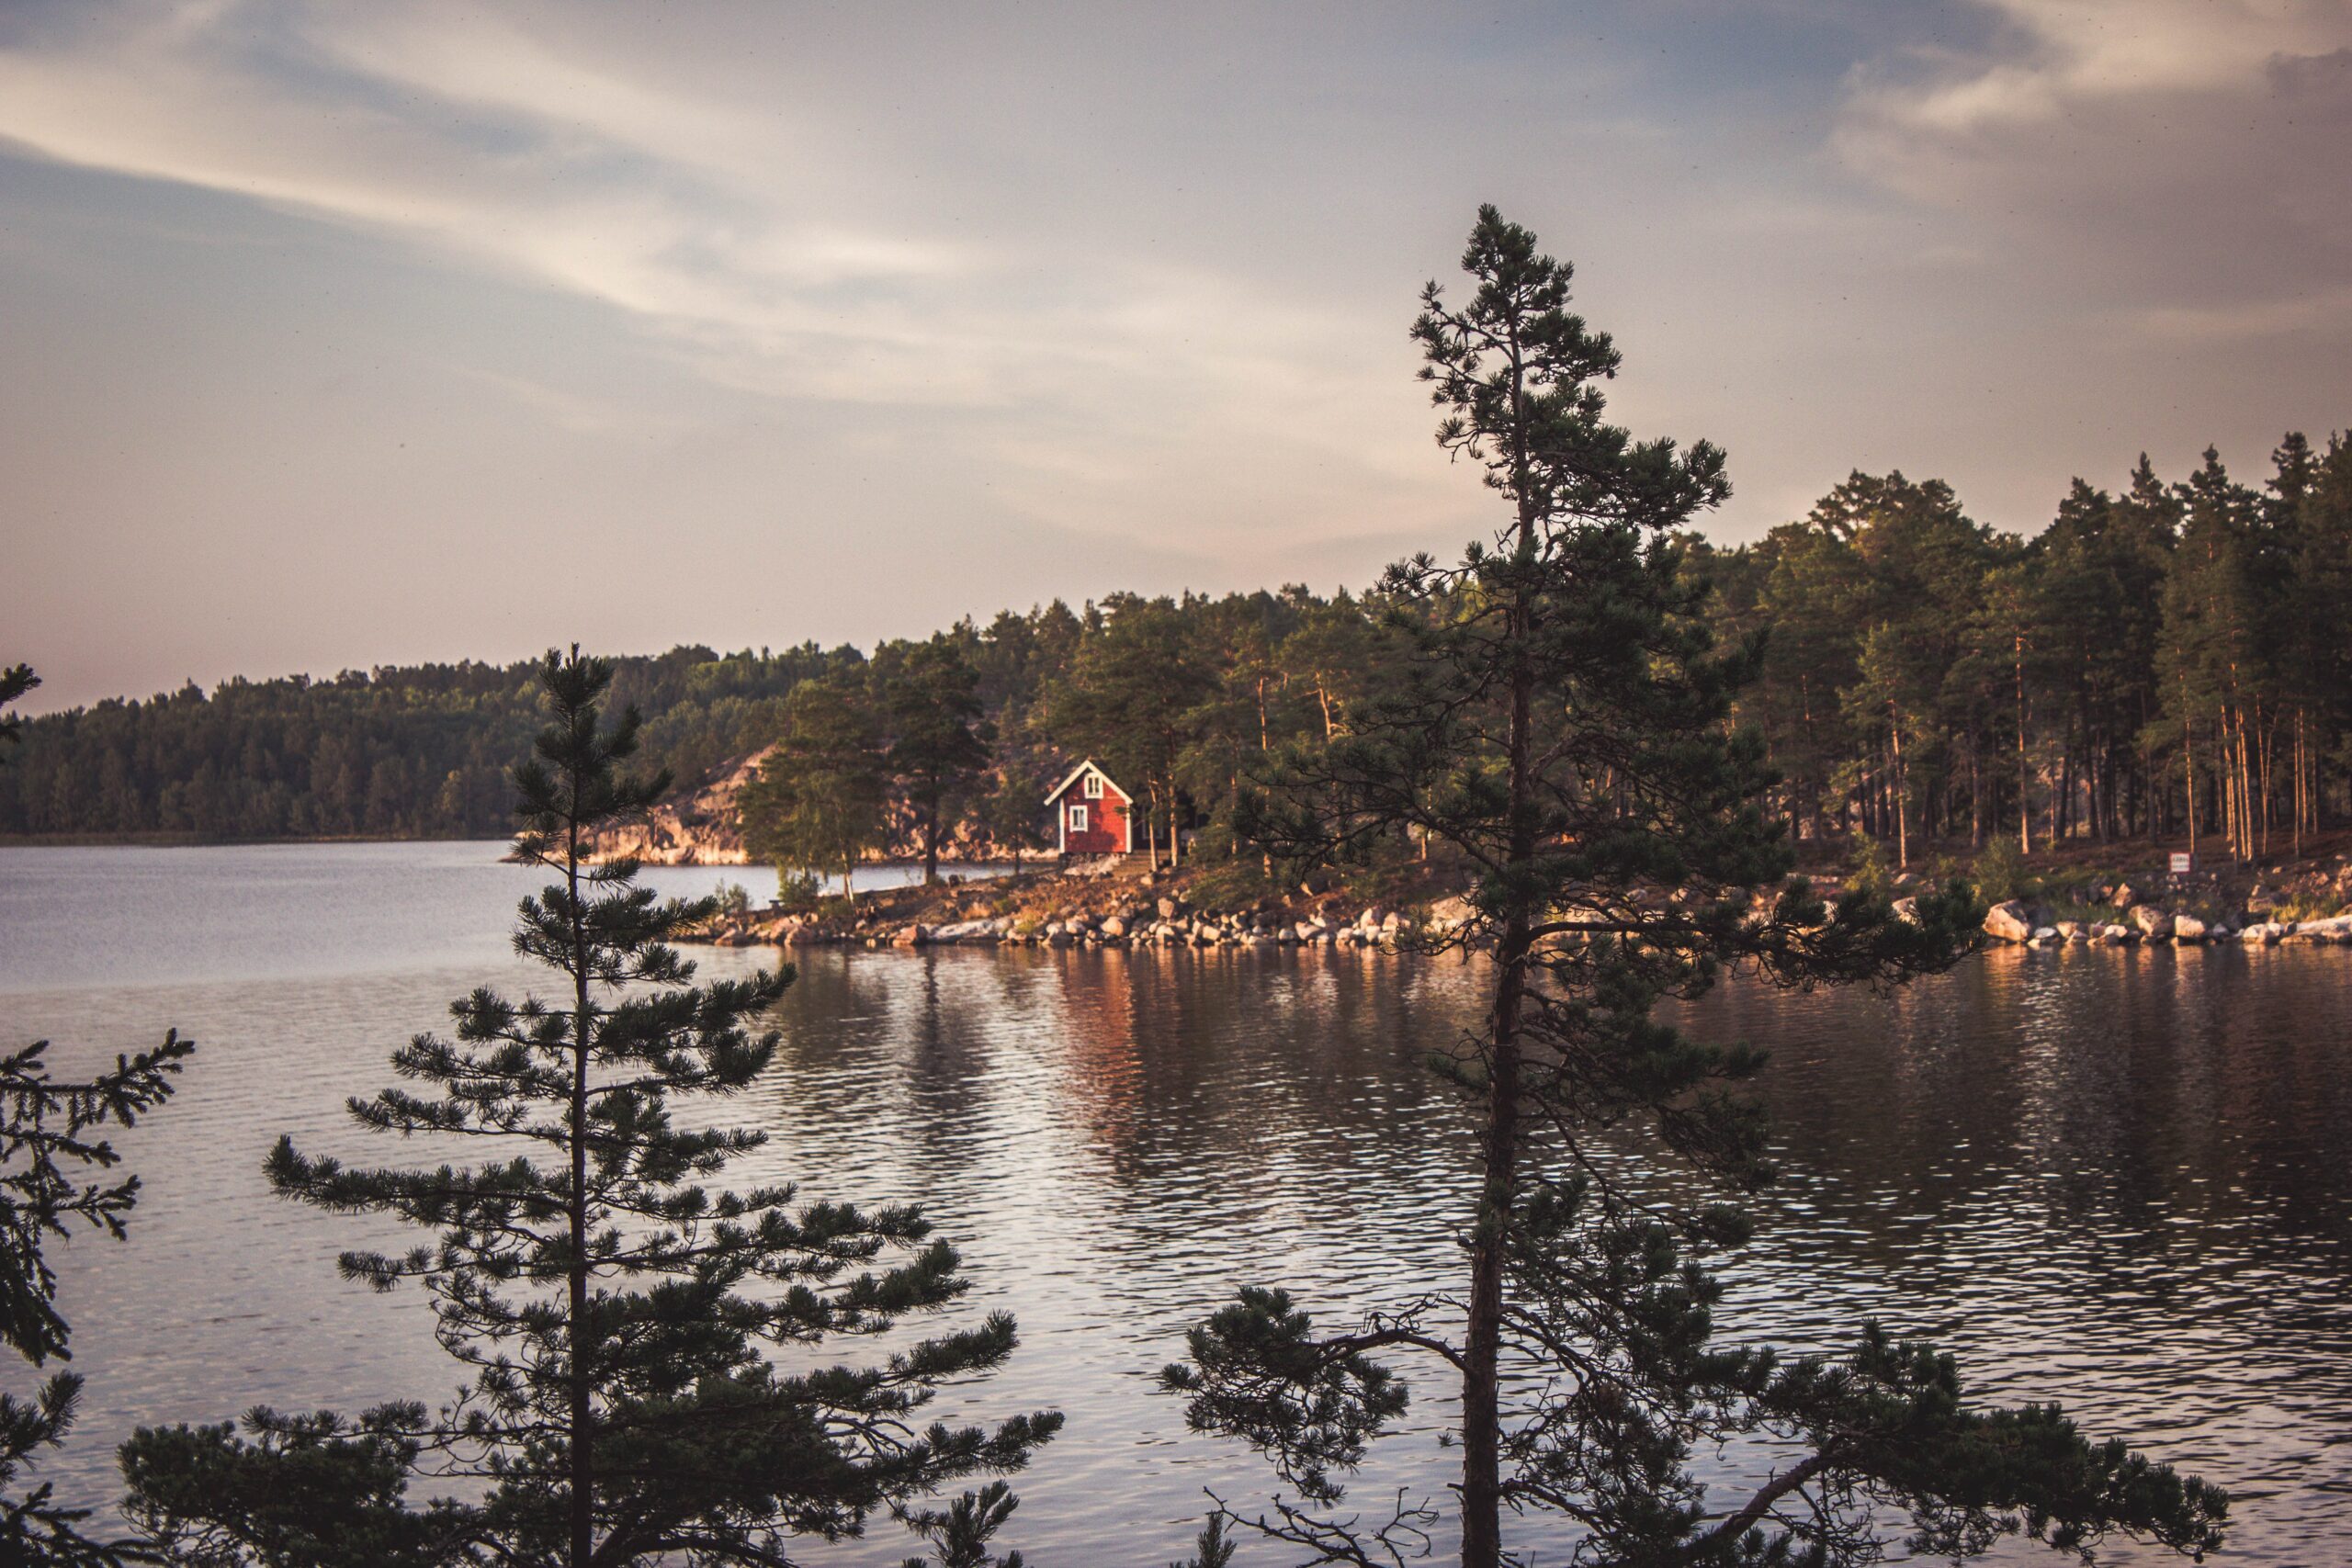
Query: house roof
[1080,772]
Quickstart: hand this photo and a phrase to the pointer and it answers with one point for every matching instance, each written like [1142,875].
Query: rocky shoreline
[2037,926]
[1096,907]
[1166,920]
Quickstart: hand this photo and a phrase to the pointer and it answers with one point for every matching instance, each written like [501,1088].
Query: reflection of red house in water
[1091,815]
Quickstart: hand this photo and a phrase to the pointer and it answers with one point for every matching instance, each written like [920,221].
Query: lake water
[2119,1179]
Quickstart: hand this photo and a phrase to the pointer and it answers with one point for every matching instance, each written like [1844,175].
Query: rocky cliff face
[699,827]
[694,827]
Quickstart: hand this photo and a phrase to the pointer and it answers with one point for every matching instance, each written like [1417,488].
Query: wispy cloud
[2163,153]
[706,220]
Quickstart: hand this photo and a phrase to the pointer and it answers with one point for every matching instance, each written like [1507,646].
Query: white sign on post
[2182,865]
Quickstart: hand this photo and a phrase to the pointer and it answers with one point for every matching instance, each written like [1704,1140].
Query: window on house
[1092,787]
[1078,819]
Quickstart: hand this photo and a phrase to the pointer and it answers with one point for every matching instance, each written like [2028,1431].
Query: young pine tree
[1562,728]
[620,1318]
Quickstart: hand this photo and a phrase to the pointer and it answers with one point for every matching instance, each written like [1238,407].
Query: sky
[350,334]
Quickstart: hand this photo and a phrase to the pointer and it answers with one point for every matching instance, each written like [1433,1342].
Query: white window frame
[1092,786]
[1077,818]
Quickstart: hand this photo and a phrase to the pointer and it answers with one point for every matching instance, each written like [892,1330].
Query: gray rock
[2152,922]
[2008,921]
[2188,928]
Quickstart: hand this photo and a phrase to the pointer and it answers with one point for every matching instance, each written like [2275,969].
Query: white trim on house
[1077,816]
[1080,772]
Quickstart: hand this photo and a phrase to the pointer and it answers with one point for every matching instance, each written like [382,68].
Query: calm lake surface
[2118,1178]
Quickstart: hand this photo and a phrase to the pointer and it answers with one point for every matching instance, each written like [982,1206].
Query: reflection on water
[2119,1179]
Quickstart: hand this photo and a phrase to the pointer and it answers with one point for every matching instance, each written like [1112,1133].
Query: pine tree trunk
[1481,1379]
[1482,1544]
[2263,781]
[2025,778]
[1976,799]
[2188,764]
[1902,793]
[578,1450]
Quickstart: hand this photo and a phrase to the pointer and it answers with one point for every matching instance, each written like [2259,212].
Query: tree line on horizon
[2165,661]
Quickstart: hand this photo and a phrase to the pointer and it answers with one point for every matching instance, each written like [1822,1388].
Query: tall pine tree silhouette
[618,1316]
[1564,726]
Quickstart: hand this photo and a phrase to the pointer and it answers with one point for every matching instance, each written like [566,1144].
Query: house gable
[1086,771]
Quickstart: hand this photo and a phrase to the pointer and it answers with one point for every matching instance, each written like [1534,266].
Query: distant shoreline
[200,841]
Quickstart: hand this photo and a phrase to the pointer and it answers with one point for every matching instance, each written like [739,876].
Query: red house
[1091,815]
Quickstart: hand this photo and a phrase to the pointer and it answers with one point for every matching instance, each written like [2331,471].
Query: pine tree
[14,682]
[52,1146]
[939,743]
[2216,679]
[620,1319]
[51,1143]
[1563,728]
[818,799]
[1014,810]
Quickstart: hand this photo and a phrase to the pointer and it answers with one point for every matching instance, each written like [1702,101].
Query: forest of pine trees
[2170,660]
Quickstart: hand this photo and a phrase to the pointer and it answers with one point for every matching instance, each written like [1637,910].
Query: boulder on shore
[2188,928]
[2008,921]
[2152,922]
